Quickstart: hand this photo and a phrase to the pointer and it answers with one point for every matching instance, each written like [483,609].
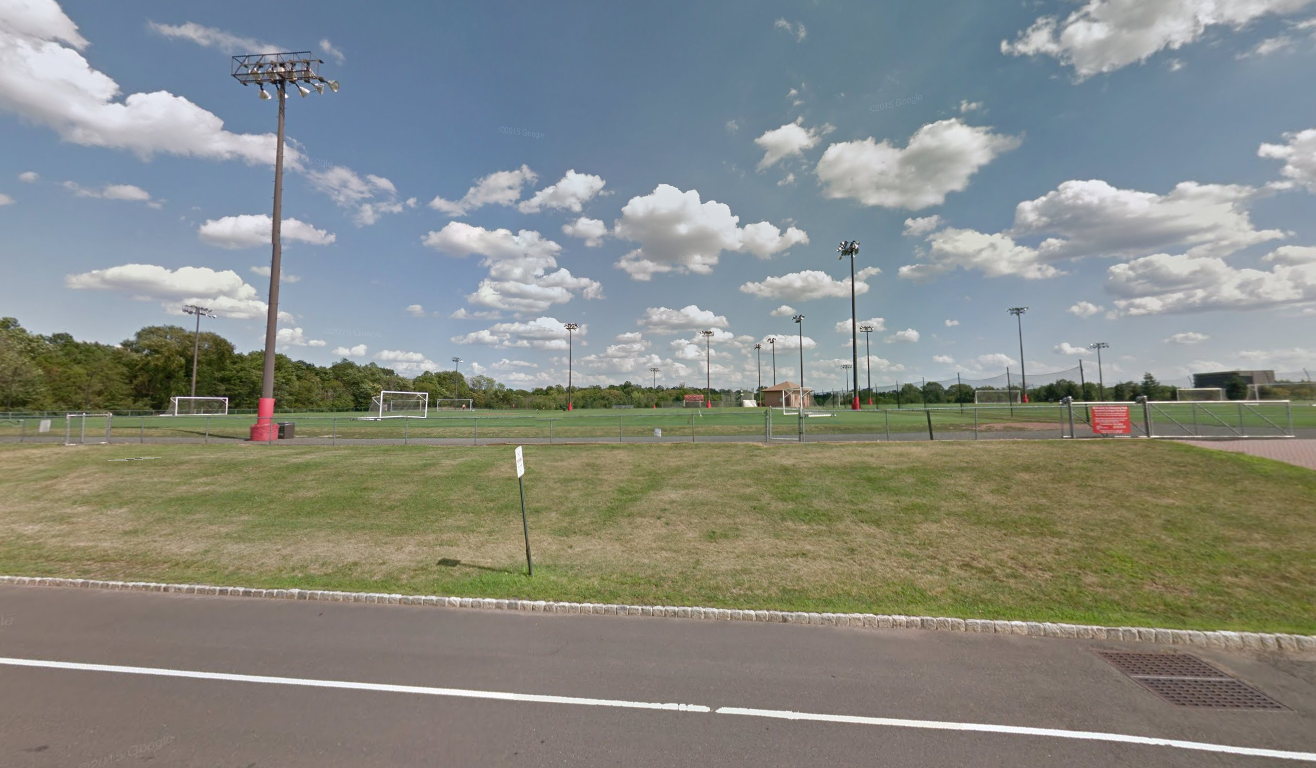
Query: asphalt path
[93,678]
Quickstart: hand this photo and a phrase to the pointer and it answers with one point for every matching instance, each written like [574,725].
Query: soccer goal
[401,405]
[454,404]
[996,396]
[1196,394]
[198,406]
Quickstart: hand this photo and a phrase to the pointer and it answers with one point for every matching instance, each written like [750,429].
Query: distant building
[1221,379]
[786,395]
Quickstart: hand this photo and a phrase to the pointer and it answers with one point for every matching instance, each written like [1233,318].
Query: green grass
[1116,533]
[634,423]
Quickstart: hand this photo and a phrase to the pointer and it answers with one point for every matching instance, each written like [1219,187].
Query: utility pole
[708,367]
[868,356]
[571,329]
[758,393]
[1101,377]
[851,249]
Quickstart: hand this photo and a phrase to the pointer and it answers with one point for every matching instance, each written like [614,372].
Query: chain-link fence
[1260,419]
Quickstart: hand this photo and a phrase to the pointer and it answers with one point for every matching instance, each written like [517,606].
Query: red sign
[1111,420]
[694,398]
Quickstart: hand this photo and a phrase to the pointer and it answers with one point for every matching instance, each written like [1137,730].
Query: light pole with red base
[868,354]
[708,367]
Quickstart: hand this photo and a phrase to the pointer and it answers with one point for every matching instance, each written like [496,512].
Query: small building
[786,395]
[1221,379]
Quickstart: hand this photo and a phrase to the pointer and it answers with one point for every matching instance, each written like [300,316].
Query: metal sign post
[525,524]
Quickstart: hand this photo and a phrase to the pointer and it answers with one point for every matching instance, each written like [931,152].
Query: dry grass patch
[1111,532]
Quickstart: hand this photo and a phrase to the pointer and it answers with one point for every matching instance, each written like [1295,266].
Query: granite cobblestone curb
[1234,641]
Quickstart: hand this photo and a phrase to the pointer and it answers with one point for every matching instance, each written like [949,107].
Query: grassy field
[628,423]
[1127,533]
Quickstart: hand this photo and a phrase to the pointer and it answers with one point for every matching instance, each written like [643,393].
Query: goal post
[997,396]
[1198,394]
[454,404]
[198,406]
[390,404]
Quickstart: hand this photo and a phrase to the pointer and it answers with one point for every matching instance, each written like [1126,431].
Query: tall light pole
[1018,313]
[772,342]
[868,355]
[457,377]
[846,375]
[571,329]
[708,367]
[851,249]
[758,393]
[654,370]
[799,320]
[277,70]
[192,309]
[1100,345]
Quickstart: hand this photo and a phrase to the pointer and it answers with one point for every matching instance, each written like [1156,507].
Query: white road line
[1021,731]
[777,714]
[384,687]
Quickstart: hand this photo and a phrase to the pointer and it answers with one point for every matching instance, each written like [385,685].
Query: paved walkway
[1299,451]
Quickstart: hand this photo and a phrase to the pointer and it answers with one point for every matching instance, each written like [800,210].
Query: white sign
[44,426]
[657,432]
[520,463]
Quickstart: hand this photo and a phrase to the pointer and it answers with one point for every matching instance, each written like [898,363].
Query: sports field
[1116,533]
[1173,419]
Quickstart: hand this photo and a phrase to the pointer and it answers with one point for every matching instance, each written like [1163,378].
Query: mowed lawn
[1108,532]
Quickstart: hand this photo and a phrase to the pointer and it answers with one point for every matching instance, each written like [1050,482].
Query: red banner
[1111,420]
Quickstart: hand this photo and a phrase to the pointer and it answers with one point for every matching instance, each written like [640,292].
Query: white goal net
[454,404]
[389,404]
[1001,396]
[198,406]
[1200,393]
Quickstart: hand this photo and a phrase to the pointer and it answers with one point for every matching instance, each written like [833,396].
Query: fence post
[767,426]
[928,413]
[1196,431]
[975,423]
[1146,415]
[1242,431]
[692,426]
[207,430]
[621,434]
[333,432]
[886,413]
[141,433]
[475,435]
[405,428]
[550,430]
[22,429]
[1288,408]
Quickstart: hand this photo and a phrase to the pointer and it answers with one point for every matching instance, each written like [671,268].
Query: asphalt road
[465,675]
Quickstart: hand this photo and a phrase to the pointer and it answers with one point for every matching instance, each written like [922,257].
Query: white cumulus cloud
[1187,337]
[222,291]
[592,231]
[568,194]
[498,188]
[691,317]
[294,337]
[907,336]
[678,232]
[920,227]
[1085,309]
[1065,348]
[795,28]
[939,159]
[789,140]
[785,310]
[250,230]
[523,272]
[358,351]
[211,37]
[415,310]
[1171,284]
[1299,156]
[808,284]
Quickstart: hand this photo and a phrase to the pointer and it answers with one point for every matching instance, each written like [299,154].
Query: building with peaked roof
[786,395]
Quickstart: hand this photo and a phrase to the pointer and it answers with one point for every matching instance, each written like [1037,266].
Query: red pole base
[568,406]
[265,430]
[870,401]
[854,406]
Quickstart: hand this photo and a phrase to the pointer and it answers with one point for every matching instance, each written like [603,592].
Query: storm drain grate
[1187,681]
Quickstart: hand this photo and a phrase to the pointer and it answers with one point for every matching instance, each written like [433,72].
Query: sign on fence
[1111,420]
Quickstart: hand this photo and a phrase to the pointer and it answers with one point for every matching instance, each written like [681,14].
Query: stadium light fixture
[1100,345]
[868,356]
[1018,313]
[758,393]
[845,368]
[571,329]
[851,249]
[708,367]
[799,320]
[276,70]
[200,312]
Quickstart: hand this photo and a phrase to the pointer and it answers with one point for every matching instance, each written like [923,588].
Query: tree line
[60,373]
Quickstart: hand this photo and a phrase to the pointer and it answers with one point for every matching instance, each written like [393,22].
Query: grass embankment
[1115,533]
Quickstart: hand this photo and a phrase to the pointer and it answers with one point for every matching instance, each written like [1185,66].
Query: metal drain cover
[1187,681]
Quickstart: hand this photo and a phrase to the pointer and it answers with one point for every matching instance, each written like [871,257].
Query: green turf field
[637,423]
[1116,533]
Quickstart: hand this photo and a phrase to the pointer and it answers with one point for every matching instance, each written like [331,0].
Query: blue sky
[1138,172]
